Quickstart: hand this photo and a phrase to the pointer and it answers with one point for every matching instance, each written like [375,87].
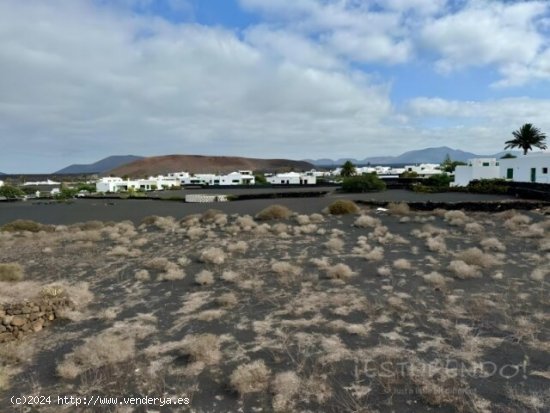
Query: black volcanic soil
[382,336]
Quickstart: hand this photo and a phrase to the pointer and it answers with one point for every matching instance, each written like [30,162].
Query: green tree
[348,169]
[526,138]
[363,183]
[508,156]
[448,165]
[259,179]
[10,191]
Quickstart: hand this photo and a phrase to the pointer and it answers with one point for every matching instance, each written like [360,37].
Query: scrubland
[345,310]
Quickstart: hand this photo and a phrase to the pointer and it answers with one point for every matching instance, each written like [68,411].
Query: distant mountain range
[99,167]
[427,155]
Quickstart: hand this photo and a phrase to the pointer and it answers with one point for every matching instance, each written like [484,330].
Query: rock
[51,317]
[25,327]
[35,309]
[37,326]
[6,320]
[5,337]
[2,328]
[26,310]
[18,321]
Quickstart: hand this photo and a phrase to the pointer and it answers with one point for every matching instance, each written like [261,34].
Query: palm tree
[348,169]
[526,138]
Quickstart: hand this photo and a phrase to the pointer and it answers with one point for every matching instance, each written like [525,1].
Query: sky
[84,79]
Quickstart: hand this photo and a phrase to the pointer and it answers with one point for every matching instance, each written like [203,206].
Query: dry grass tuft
[377,254]
[455,218]
[285,385]
[334,244]
[340,271]
[20,225]
[384,271]
[399,208]
[274,212]
[493,244]
[343,207]
[202,348]
[436,244]
[475,256]
[316,218]
[474,228]
[213,255]
[402,264]
[286,269]
[227,300]
[435,279]
[463,270]
[11,272]
[365,221]
[204,277]
[250,378]
[104,349]
[230,276]
[142,275]
[238,247]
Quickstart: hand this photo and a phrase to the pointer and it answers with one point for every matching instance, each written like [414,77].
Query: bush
[9,191]
[439,181]
[274,212]
[26,225]
[488,186]
[343,207]
[11,272]
[250,378]
[363,183]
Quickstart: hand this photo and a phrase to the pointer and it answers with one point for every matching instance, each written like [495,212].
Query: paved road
[135,210]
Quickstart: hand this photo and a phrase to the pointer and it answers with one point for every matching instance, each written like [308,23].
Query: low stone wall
[19,319]
[205,198]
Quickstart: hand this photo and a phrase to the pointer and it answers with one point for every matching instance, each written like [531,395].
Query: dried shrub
[274,212]
[204,278]
[463,270]
[474,228]
[227,300]
[456,218]
[239,247]
[343,207]
[436,244]
[517,222]
[104,349]
[202,348]
[316,218]
[475,256]
[493,244]
[230,276]
[335,245]
[365,221]
[142,275]
[11,272]
[377,254]
[210,215]
[213,255]
[402,264]
[340,271]
[250,378]
[20,225]
[435,279]
[285,385]
[384,271]
[399,208]
[286,269]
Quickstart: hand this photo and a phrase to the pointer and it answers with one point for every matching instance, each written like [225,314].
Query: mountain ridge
[99,167]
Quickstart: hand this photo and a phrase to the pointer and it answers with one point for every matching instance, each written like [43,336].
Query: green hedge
[363,183]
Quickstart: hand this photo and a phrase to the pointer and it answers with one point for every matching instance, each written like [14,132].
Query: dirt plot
[436,311]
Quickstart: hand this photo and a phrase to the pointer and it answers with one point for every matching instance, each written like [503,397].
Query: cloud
[86,82]
[483,33]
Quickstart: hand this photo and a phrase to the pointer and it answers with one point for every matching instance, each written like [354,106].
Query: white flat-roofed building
[233,178]
[533,167]
[425,169]
[477,168]
[292,178]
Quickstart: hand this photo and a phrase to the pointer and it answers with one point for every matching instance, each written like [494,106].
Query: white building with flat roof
[424,169]
[292,178]
[477,168]
[234,178]
[1,183]
[533,167]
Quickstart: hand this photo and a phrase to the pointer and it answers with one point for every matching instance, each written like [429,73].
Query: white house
[1,183]
[233,178]
[108,184]
[37,183]
[477,168]
[292,178]
[533,167]
[425,169]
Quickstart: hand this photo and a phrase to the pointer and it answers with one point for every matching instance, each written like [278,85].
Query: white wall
[478,168]
[523,164]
